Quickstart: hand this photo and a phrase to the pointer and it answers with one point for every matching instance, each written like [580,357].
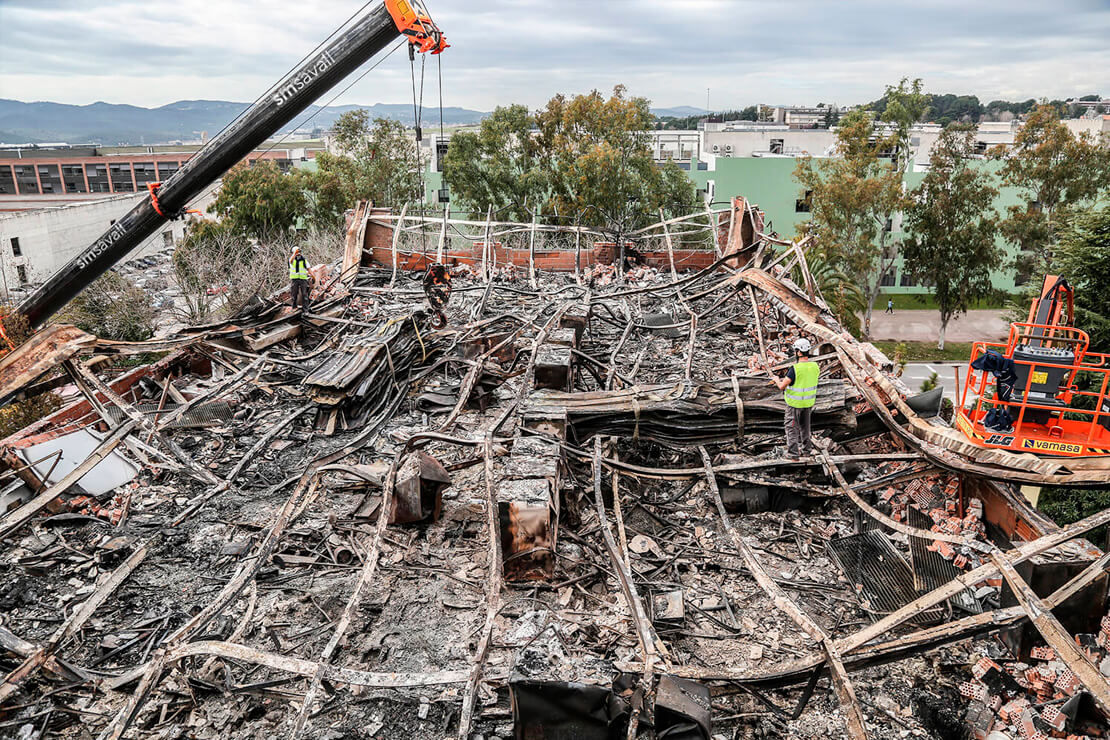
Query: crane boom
[368,36]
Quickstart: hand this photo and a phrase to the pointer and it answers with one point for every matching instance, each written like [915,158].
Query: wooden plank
[844,690]
[1055,635]
[352,251]
[278,334]
[40,354]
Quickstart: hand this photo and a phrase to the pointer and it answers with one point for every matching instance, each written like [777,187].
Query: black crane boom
[365,38]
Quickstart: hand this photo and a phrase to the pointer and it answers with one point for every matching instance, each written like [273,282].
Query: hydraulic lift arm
[365,38]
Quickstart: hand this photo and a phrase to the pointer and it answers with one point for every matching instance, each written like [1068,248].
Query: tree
[856,195]
[600,166]
[259,201]
[843,295]
[1083,255]
[1056,173]
[584,158]
[377,161]
[951,227]
[325,198]
[219,273]
[498,166]
[113,307]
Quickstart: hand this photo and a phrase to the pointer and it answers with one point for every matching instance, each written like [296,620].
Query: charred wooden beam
[1055,635]
[844,690]
[418,493]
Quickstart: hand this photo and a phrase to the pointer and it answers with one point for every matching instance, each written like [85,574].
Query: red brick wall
[378,250]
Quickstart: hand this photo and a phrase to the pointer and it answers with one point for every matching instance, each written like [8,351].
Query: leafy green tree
[378,161]
[500,165]
[1057,173]
[583,158]
[856,195]
[259,201]
[843,295]
[325,198]
[1083,254]
[951,227]
[600,164]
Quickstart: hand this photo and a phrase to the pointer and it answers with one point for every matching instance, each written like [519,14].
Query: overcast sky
[153,52]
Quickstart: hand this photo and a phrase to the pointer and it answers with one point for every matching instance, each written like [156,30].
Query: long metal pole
[369,35]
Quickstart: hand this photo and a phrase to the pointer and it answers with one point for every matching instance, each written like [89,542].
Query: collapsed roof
[568,513]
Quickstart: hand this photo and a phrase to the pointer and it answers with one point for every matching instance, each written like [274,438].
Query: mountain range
[111,124]
[185,120]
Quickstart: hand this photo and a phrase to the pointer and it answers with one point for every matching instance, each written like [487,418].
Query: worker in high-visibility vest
[799,390]
[298,279]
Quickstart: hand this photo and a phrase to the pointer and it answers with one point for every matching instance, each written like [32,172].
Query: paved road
[917,372]
[924,326]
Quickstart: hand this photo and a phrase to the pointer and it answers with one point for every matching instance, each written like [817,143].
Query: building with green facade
[768,182]
[757,161]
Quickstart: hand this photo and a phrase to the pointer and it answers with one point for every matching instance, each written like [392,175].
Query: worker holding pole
[799,387]
[298,279]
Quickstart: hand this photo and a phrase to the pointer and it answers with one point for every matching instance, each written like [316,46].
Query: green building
[768,182]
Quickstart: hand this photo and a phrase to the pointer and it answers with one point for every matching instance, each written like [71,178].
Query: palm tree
[845,297]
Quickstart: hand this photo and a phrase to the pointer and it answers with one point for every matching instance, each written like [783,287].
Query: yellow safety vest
[298,269]
[803,393]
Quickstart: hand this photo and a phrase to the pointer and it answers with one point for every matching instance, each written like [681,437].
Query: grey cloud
[527,50]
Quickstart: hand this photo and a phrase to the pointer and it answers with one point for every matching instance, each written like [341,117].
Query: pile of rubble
[1037,700]
[568,511]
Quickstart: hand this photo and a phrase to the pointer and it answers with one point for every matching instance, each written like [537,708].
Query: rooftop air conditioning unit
[716,148]
[728,148]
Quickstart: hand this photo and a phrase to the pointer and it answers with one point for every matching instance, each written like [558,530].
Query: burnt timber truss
[591,439]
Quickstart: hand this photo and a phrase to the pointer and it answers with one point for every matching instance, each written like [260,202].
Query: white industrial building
[35,243]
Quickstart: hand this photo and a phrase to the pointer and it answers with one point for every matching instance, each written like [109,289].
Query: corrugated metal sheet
[881,575]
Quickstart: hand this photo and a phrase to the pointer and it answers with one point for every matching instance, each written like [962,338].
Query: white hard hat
[802,345]
[295,250]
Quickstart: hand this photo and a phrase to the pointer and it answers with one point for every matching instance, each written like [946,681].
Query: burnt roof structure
[568,513]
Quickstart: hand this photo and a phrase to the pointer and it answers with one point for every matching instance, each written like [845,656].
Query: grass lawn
[906,302]
[927,351]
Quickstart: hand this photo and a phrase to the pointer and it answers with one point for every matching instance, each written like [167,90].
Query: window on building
[777,145]
[907,280]
[803,204]
[441,154]
[888,279]
[73,177]
[21,274]
[145,172]
[120,175]
[98,178]
[7,181]
[165,169]
[26,180]
[167,238]
[16,251]
[50,178]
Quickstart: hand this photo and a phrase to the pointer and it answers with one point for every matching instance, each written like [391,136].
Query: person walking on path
[298,279]
[799,387]
[889,306]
